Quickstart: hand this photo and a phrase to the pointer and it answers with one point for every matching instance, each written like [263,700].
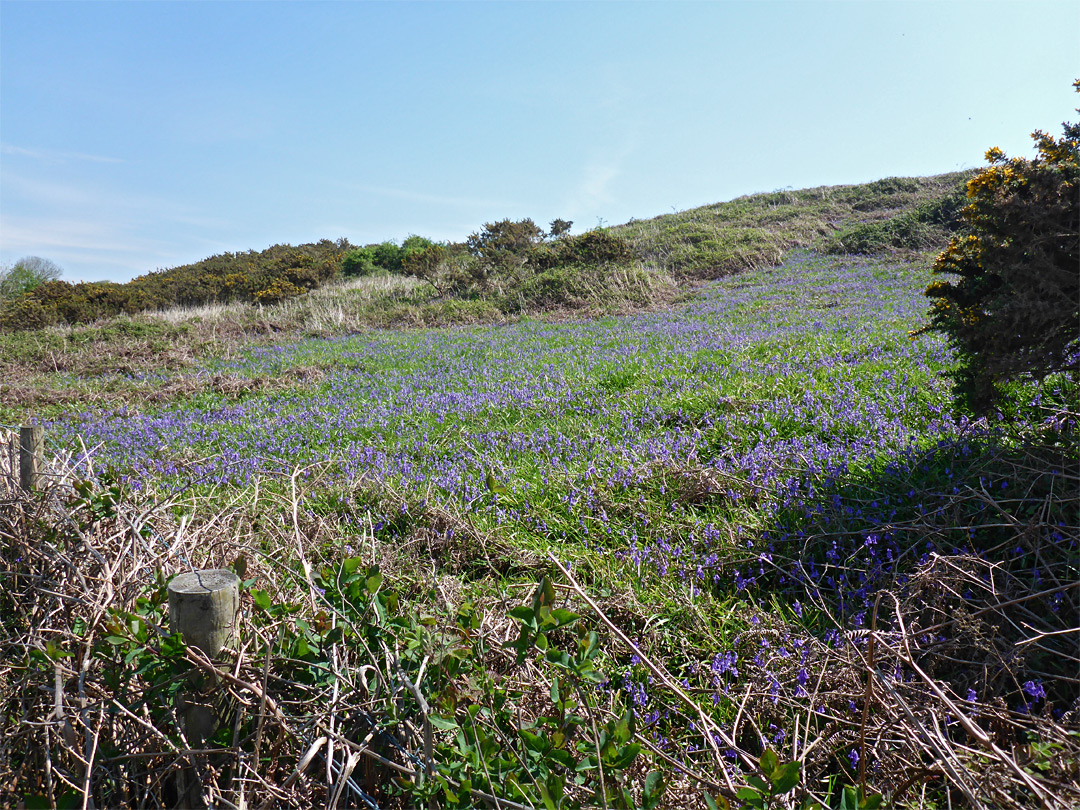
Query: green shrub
[26,313]
[1009,300]
[594,248]
[385,257]
[359,262]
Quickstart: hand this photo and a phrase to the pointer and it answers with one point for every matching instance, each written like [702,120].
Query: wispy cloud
[54,156]
[594,190]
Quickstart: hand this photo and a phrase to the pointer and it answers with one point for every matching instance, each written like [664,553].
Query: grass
[743,484]
[757,230]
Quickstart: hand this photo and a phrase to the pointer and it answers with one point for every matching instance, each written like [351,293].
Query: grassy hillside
[897,213]
[468,282]
[675,251]
[647,557]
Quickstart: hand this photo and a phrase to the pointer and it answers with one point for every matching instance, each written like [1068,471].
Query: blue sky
[136,136]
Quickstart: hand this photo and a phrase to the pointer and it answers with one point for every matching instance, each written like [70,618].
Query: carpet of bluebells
[805,366]
[773,435]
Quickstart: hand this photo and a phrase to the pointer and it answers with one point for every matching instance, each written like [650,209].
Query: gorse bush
[1010,299]
[267,276]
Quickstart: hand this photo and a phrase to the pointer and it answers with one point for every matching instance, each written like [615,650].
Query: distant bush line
[511,265]
[264,277]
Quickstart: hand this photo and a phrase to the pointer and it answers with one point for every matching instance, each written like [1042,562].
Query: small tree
[1011,306]
[438,265]
[559,227]
[504,246]
[25,275]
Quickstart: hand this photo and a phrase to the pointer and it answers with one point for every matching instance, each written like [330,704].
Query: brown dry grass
[71,730]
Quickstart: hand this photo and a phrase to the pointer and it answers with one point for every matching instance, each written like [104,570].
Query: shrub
[596,248]
[559,227]
[279,290]
[26,313]
[439,267]
[504,247]
[359,262]
[1009,302]
[386,256]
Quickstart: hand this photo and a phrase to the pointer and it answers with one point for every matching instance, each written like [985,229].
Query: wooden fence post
[202,607]
[31,442]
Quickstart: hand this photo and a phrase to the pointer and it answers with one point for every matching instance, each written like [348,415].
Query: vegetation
[1010,299]
[734,551]
[267,277]
[510,269]
[756,231]
[386,257]
[538,560]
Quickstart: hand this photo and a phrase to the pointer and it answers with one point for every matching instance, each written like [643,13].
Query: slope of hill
[706,242]
[738,549]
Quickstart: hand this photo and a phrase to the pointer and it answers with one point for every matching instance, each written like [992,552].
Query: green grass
[769,419]
[757,230]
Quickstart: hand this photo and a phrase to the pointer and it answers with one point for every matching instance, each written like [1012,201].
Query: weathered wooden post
[202,608]
[31,442]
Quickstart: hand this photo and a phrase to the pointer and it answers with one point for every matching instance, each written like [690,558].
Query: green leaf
[557,657]
[524,614]
[563,757]
[758,783]
[549,801]
[350,565]
[750,797]
[547,592]
[769,761]
[625,757]
[333,635]
[173,646]
[654,783]
[261,599]
[442,723]
[564,617]
[534,742]
[785,777]
[492,484]
[871,802]
[374,582]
